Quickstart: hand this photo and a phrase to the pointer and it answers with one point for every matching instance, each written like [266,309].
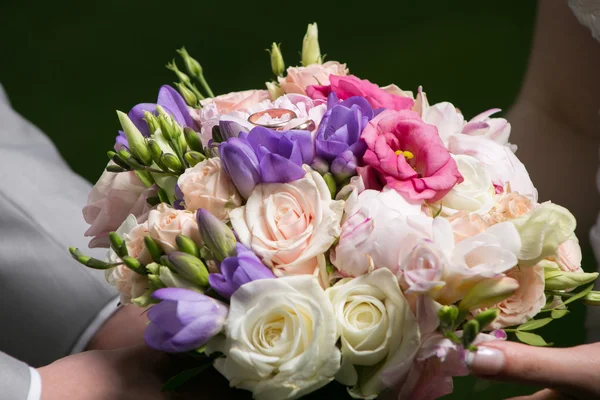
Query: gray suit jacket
[46,298]
[14,378]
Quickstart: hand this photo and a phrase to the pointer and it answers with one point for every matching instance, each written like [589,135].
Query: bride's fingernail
[485,361]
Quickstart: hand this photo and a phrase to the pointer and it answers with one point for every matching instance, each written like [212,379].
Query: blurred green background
[68,65]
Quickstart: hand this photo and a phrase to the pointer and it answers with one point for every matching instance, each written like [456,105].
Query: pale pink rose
[466,225]
[289,225]
[299,78]
[129,284]
[207,186]
[569,256]
[166,223]
[112,199]
[208,116]
[526,302]
[510,205]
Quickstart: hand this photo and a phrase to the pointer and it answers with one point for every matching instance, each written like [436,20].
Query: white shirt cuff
[35,385]
[95,325]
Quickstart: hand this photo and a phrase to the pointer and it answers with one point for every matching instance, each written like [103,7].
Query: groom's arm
[49,304]
[18,381]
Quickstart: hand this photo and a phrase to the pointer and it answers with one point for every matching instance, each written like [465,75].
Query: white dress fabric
[588,14]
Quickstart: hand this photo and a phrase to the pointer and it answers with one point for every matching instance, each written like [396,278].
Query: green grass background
[68,65]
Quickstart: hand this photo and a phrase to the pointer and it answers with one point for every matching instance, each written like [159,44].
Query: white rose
[475,193]
[129,284]
[377,328]
[207,186]
[380,231]
[289,225]
[280,338]
[166,223]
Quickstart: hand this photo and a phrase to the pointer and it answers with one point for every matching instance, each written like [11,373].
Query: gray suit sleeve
[14,378]
[46,298]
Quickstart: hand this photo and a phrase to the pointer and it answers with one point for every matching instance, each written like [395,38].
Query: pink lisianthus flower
[407,155]
[347,86]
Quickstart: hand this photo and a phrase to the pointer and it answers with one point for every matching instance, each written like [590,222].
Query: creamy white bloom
[288,225]
[444,116]
[377,330]
[280,338]
[206,185]
[379,232]
[166,223]
[475,193]
[496,129]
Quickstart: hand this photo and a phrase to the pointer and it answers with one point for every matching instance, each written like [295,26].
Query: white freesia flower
[280,338]
[289,225]
[475,193]
[377,330]
[381,229]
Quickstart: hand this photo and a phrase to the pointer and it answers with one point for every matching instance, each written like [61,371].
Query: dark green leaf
[181,378]
[556,314]
[580,295]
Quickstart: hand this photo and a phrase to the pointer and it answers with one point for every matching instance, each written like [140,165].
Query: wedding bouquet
[326,228]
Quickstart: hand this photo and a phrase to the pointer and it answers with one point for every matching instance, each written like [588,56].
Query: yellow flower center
[407,154]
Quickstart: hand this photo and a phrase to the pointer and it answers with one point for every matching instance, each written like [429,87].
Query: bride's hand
[566,373]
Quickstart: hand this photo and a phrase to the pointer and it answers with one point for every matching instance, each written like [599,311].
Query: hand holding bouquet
[327,228]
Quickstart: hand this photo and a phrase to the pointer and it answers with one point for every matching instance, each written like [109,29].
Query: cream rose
[129,284]
[298,78]
[280,338]
[569,256]
[207,186]
[289,224]
[208,116]
[166,223]
[377,328]
[475,193]
[466,225]
[526,302]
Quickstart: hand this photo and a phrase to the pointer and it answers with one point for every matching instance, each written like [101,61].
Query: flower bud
[488,292]
[189,267]
[311,53]
[592,298]
[277,64]
[542,231]
[134,264]
[152,122]
[216,134]
[447,316]
[563,280]
[192,66]
[470,332]
[153,248]
[331,185]
[88,261]
[166,126]
[115,169]
[172,162]
[180,75]
[187,245]
[192,139]
[137,142]
[320,165]
[217,236]
[117,244]
[118,159]
[487,317]
[194,157]
[130,161]
[274,90]
[190,98]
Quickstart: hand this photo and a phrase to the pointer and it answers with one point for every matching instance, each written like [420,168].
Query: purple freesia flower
[171,101]
[338,137]
[266,156]
[238,270]
[184,320]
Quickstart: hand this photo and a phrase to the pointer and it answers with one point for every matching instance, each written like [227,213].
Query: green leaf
[534,324]
[181,378]
[531,339]
[556,314]
[580,295]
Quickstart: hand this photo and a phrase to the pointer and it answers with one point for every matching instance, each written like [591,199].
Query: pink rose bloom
[129,284]
[166,223]
[466,225]
[510,205]
[208,116]
[407,155]
[569,256]
[112,199]
[526,302]
[348,86]
[207,186]
[299,78]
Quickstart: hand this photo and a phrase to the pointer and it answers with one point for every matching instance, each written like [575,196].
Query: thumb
[568,369]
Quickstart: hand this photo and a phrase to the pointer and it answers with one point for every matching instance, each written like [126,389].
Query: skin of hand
[566,373]
[124,328]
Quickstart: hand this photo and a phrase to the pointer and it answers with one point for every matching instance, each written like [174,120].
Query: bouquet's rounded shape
[279,338]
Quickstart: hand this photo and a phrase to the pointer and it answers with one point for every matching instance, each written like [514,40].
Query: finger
[569,370]
[546,394]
